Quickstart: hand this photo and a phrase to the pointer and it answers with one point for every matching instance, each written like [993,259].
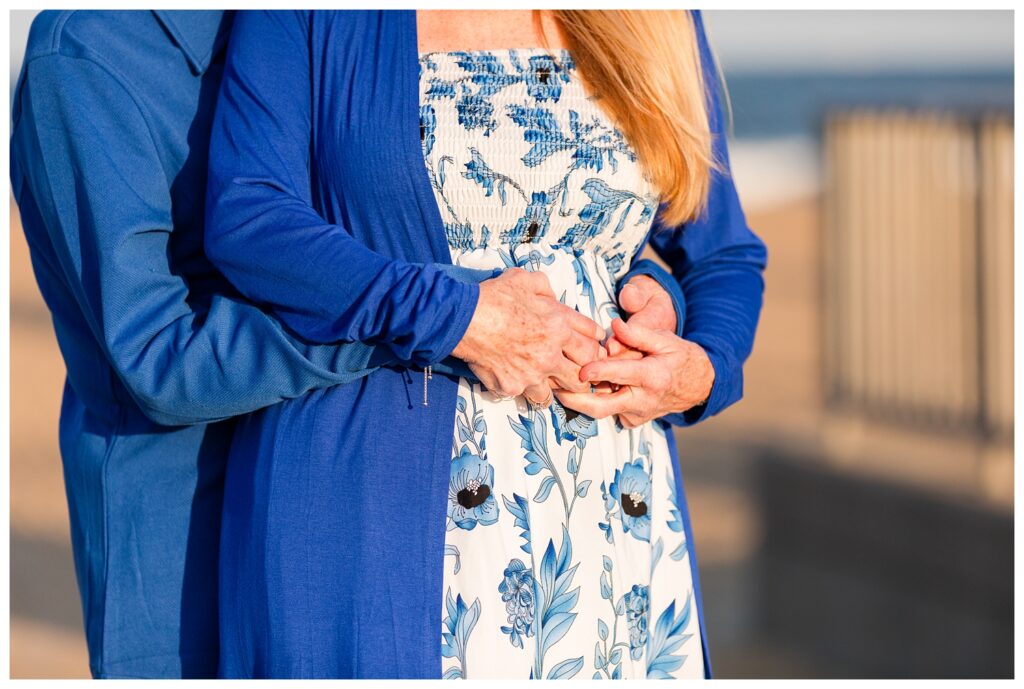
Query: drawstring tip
[428,374]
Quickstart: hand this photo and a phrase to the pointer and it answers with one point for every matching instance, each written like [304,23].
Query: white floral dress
[565,550]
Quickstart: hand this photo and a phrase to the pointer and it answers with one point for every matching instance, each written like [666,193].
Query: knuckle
[658,380]
[548,359]
[508,385]
[573,383]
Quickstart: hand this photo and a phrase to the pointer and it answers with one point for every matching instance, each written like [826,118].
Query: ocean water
[781,105]
[777,117]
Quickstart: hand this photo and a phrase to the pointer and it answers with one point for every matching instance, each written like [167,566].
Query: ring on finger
[542,403]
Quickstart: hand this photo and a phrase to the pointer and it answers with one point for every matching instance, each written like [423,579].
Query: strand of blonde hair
[645,67]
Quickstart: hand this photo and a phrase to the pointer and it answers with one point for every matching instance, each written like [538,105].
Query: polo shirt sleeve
[264,234]
[88,161]
[718,263]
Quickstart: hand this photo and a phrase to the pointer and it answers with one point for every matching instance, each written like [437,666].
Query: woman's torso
[529,171]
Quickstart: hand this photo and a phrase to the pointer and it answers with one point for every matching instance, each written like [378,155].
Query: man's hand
[672,376]
[523,341]
[645,303]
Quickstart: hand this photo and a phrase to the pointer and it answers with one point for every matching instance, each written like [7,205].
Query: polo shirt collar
[199,34]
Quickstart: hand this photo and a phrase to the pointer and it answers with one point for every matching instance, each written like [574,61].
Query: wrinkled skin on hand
[672,376]
[523,341]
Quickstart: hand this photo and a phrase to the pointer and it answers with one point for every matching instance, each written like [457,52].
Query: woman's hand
[523,341]
[644,302]
[673,376]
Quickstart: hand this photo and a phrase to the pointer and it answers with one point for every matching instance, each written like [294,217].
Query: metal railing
[918,268]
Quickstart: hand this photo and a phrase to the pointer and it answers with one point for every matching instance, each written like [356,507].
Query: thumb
[638,336]
[633,298]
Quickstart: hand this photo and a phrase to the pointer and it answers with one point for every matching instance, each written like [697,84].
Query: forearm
[313,268]
[234,359]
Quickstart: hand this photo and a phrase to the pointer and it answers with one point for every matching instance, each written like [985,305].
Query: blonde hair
[645,67]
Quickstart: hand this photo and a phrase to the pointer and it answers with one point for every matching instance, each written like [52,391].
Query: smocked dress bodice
[565,553]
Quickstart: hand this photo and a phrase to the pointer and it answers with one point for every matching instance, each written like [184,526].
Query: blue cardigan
[319,208]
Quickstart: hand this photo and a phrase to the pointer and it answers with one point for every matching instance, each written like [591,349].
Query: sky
[861,41]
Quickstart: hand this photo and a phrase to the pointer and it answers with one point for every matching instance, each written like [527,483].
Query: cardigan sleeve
[264,234]
[717,262]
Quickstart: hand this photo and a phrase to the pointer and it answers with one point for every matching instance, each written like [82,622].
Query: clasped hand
[523,341]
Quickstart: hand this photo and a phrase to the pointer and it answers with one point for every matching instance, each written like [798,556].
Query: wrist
[469,343]
[462,318]
[708,378]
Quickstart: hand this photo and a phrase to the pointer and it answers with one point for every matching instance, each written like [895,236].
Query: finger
[627,354]
[613,346]
[535,281]
[583,325]
[633,297]
[621,371]
[640,337]
[655,315]
[568,377]
[582,350]
[539,395]
[598,406]
[630,420]
[488,379]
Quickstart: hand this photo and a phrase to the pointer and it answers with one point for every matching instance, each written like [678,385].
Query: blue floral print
[608,649]
[675,523]
[636,616]
[533,434]
[470,493]
[428,123]
[591,142]
[631,489]
[570,425]
[555,602]
[528,172]
[519,508]
[544,78]
[458,625]
[476,111]
[517,592]
[596,215]
[471,484]
[533,225]
[668,637]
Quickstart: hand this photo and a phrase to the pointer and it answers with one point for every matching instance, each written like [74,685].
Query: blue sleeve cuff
[467,295]
[451,365]
[646,266]
[725,390]
[473,275]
